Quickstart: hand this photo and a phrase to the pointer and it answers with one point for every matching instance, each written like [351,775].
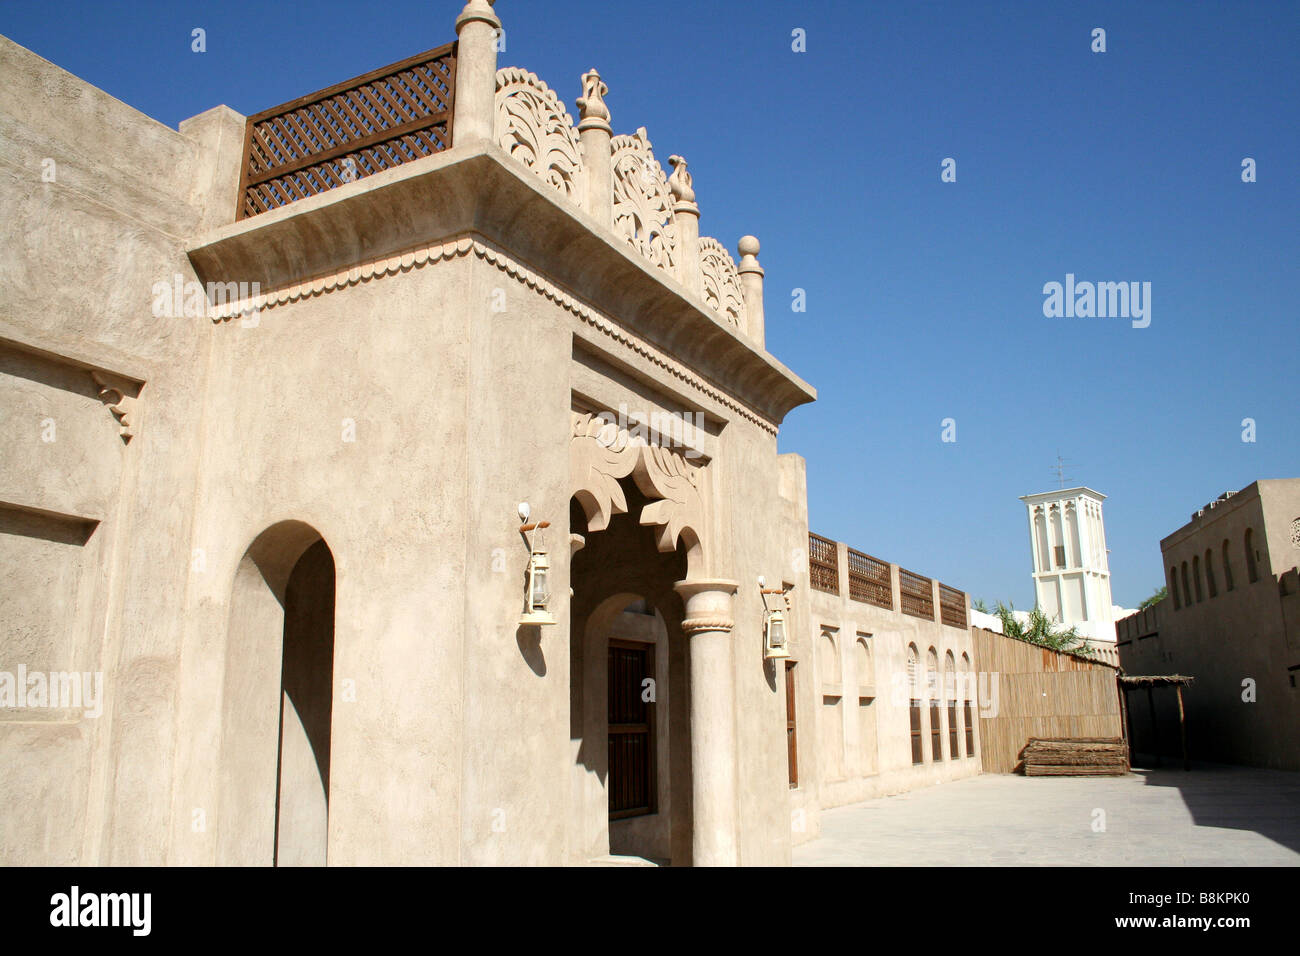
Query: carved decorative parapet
[622,186]
[602,453]
[722,289]
[533,126]
[643,202]
[120,395]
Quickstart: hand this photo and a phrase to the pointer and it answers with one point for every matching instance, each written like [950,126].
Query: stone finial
[751,282]
[478,10]
[680,182]
[477,29]
[595,133]
[687,216]
[749,248]
[594,114]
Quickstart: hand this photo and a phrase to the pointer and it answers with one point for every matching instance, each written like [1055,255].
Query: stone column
[707,626]
[594,134]
[687,216]
[476,74]
[751,281]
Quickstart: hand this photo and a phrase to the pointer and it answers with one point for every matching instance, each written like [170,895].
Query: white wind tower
[1071,571]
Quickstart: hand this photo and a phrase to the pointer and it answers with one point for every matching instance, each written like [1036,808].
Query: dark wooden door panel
[631,783]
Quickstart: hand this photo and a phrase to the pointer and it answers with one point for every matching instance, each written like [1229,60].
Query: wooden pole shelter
[1127,682]
[1155,724]
[1182,727]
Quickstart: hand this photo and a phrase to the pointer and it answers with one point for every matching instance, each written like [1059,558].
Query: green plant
[1042,630]
[1161,593]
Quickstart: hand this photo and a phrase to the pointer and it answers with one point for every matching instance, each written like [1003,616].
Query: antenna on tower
[1059,469]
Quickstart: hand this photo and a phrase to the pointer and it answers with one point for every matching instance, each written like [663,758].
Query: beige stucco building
[274,390]
[1231,620]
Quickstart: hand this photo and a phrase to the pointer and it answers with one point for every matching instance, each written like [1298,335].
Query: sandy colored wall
[400,418]
[1240,644]
[860,755]
[96,199]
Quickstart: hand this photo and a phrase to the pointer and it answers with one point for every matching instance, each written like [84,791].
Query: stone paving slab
[1213,815]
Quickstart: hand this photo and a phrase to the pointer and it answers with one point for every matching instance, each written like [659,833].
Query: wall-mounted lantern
[537,593]
[774,634]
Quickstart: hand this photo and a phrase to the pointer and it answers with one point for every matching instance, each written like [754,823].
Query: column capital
[708,605]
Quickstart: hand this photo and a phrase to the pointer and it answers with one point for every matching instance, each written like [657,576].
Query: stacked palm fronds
[1079,756]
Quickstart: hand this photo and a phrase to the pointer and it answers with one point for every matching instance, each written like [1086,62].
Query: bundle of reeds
[1080,756]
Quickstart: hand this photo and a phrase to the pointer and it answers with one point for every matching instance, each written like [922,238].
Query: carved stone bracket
[120,395]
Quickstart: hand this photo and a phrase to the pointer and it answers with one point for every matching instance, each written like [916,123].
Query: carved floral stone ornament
[602,453]
[655,214]
[533,126]
[722,291]
[643,202]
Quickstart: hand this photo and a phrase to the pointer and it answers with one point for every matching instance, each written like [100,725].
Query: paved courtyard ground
[1211,816]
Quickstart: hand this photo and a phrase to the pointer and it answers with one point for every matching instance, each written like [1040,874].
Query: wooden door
[631,730]
[914,718]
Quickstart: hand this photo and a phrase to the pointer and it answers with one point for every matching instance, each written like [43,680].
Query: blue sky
[924,299]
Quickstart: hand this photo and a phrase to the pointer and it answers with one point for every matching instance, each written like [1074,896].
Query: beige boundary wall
[852,684]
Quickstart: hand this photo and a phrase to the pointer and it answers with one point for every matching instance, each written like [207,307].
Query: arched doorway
[277,702]
[628,691]
[639,516]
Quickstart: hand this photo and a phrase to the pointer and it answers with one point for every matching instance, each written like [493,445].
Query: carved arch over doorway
[601,453]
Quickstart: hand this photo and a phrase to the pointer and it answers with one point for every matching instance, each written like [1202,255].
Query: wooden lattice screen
[869,580]
[823,564]
[915,595]
[952,606]
[352,130]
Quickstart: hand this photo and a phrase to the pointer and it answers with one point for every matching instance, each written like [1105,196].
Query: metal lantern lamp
[774,635]
[538,593]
